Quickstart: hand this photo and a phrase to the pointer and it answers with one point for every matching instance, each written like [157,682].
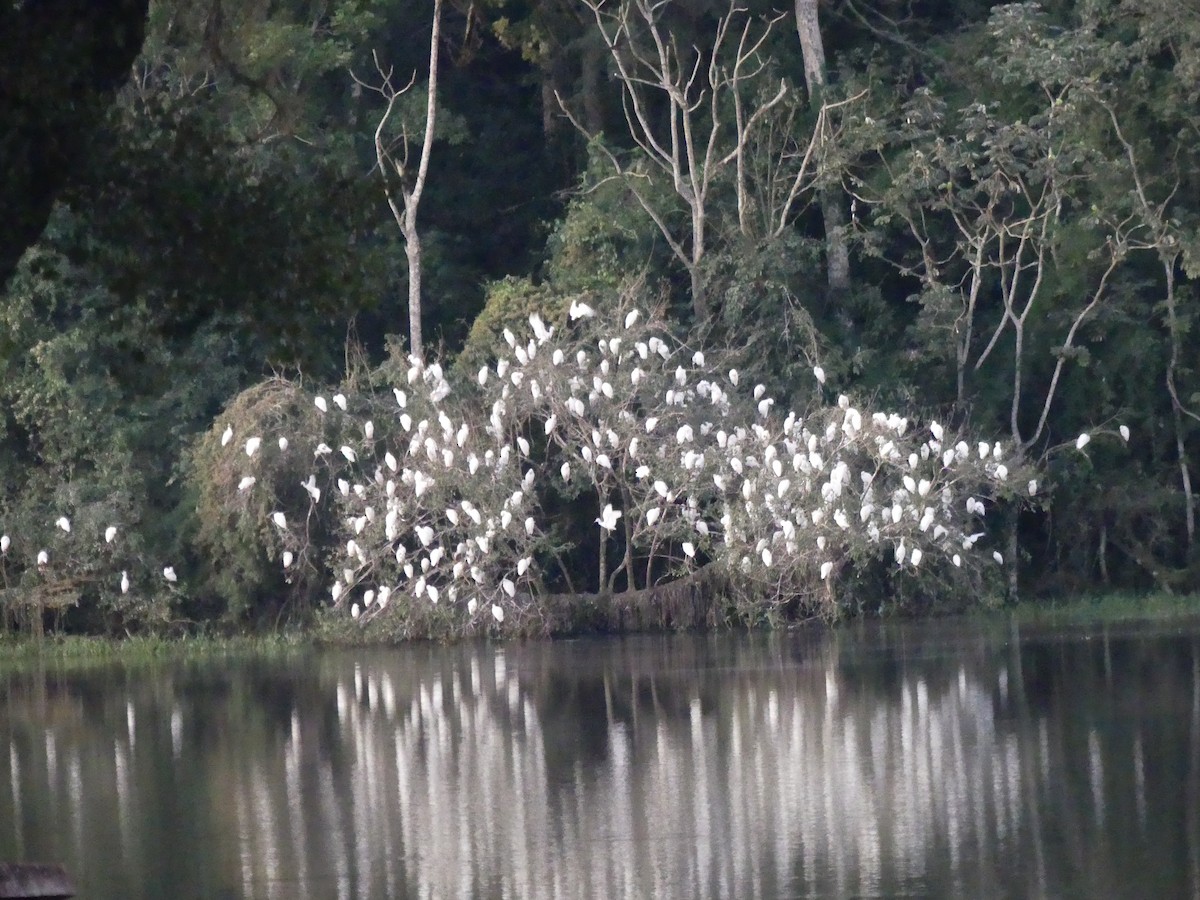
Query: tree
[813,49]
[447,498]
[695,141]
[1030,216]
[403,184]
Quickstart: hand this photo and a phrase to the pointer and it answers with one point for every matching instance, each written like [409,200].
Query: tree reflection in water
[926,759]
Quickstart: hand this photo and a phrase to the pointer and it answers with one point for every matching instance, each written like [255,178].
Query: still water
[910,760]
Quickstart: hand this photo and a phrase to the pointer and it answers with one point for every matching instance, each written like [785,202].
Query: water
[917,760]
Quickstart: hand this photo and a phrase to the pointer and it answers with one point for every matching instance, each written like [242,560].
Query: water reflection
[904,760]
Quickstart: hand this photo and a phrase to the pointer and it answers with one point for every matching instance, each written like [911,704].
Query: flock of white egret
[439,497]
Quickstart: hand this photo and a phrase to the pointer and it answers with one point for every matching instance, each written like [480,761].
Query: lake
[925,759]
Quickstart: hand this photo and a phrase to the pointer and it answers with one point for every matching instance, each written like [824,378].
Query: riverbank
[82,649]
[1100,609]
[21,650]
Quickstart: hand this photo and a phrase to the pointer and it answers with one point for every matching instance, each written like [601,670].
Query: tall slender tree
[813,48]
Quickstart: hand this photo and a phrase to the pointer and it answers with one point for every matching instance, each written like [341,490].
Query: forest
[617,312]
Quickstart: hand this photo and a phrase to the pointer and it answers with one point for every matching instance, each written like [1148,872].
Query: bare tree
[1160,235]
[696,138]
[402,183]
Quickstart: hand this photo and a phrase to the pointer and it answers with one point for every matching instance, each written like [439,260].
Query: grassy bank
[1100,609]
[76,649]
[19,650]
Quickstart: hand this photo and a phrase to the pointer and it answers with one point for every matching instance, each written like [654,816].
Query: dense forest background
[980,212]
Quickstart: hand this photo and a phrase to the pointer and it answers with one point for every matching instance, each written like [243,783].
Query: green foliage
[510,302]
[241,557]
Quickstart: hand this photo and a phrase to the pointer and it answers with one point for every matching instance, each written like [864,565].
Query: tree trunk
[699,295]
[591,73]
[412,250]
[412,239]
[1012,554]
[1177,407]
[813,49]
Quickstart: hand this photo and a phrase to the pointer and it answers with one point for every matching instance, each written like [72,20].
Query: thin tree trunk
[412,251]
[699,294]
[1177,408]
[412,240]
[591,69]
[1012,554]
[813,49]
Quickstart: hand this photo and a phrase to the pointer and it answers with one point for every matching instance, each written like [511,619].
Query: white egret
[110,534]
[226,435]
[340,401]
[1124,429]
[64,523]
[819,374]
[498,613]
[1082,441]
[320,403]
[608,517]
[169,574]
[689,550]
[43,557]
[252,445]
[5,543]
[283,444]
[124,582]
[279,519]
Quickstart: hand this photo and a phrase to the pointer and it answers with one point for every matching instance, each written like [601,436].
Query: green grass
[21,650]
[1102,608]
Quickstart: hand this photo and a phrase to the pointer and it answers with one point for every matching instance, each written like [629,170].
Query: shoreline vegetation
[1095,610]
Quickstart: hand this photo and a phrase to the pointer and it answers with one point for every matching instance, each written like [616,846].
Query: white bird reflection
[552,772]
